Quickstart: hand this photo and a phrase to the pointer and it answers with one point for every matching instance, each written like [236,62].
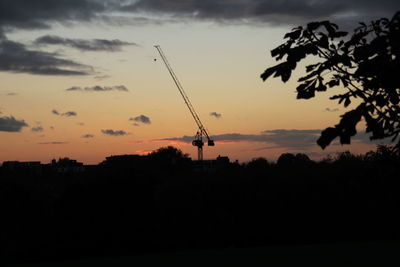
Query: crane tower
[201,132]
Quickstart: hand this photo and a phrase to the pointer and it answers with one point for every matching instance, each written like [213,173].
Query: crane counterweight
[198,141]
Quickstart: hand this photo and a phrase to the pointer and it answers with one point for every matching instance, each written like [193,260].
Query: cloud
[53,143]
[15,57]
[81,123]
[279,138]
[331,109]
[291,139]
[273,12]
[102,77]
[66,114]
[98,88]
[23,15]
[141,118]
[299,139]
[113,132]
[19,14]
[10,124]
[12,94]
[216,115]
[135,142]
[37,129]
[42,14]
[69,114]
[87,136]
[84,45]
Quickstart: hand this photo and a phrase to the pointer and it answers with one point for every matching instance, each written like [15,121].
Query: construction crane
[201,132]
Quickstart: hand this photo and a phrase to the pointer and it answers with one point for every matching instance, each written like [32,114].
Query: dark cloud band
[270,11]
[280,138]
[22,14]
[15,57]
[84,45]
[26,14]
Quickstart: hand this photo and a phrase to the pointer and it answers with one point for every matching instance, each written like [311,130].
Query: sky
[82,79]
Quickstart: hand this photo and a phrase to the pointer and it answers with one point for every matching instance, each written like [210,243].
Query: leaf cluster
[366,64]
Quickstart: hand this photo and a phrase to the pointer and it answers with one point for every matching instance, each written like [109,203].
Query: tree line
[123,210]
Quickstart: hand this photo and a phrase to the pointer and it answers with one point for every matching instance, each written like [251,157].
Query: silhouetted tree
[290,159]
[383,153]
[302,158]
[258,163]
[367,65]
[258,167]
[286,159]
[169,152]
[169,156]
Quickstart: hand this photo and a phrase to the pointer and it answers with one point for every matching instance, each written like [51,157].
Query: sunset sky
[79,79]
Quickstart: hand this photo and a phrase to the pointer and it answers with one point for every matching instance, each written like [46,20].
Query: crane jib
[202,130]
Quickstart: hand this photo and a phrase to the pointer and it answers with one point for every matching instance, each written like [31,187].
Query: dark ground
[341,254]
[160,210]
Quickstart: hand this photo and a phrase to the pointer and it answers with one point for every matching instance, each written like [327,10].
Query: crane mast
[198,142]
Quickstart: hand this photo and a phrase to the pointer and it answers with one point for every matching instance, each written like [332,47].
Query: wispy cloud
[114,132]
[280,138]
[135,142]
[87,136]
[102,77]
[69,114]
[216,115]
[37,129]
[332,109]
[65,114]
[84,45]
[53,143]
[10,124]
[97,88]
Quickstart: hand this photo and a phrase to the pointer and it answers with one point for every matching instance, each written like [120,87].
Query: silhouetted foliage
[291,159]
[367,65]
[258,163]
[286,159]
[168,153]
